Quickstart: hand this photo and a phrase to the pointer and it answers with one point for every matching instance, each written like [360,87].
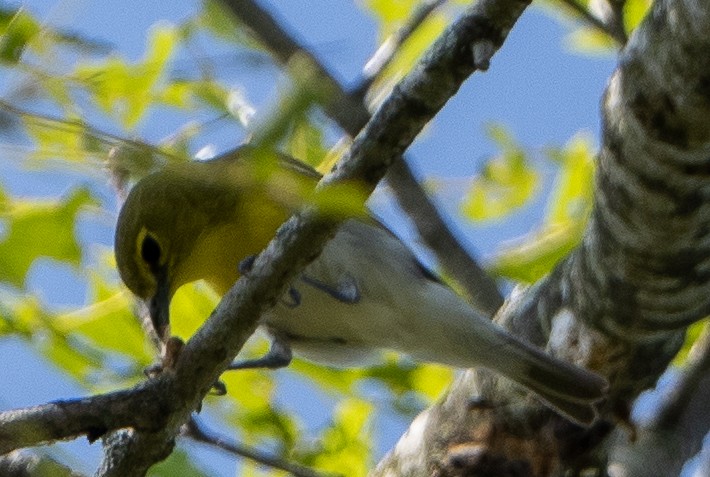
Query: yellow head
[188,222]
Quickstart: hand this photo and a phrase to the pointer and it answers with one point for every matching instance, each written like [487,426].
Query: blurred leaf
[506,183]
[64,140]
[178,464]
[573,191]
[126,91]
[590,41]
[345,447]
[390,14]
[535,255]
[330,380]
[177,93]
[568,209]
[218,20]
[16,34]
[40,229]
[212,94]
[109,324]
[691,335]
[431,380]
[28,315]
[306,142]
[408,55]
[252,411]
[634,12]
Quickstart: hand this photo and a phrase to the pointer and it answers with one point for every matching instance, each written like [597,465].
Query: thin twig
[389,48]
[195,430]
[616,32]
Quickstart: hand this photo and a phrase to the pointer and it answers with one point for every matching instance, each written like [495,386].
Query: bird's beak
[159,307]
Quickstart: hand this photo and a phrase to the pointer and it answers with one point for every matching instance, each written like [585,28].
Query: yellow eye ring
[150,249]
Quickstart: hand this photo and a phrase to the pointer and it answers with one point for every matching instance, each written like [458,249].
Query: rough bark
[620,303]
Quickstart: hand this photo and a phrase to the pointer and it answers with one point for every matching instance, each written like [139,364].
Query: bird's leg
[346,290]
[278,356]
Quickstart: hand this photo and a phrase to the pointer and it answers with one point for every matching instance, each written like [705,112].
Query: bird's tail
[461,337]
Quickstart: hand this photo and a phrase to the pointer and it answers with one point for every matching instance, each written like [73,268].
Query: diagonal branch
[197,432]
[349,111]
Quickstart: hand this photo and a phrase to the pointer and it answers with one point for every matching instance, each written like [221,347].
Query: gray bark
[620,303]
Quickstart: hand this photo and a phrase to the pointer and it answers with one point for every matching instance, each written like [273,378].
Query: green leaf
[249,407]
[345,447]
[126,91]
[692,334]
[408,54]
[390,14]
[590,41]
[40,229]
[64,140]
[16,35]
[306,142]
[573,191]
[568,209]
[533,257]
[634,12]
[178,464]
[218,20]
[109,324]
[506,183]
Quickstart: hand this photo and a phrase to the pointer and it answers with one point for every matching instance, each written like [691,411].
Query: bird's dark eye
[150,250]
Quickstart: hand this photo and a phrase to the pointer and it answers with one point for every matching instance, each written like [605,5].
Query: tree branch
[141,407]
[349,111]
[23,464]
[619,304]
[681,421]
[197,432]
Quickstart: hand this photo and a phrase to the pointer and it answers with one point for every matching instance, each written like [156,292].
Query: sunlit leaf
[692,334]
[568,208]
[16,34]
[532,257]
[109,324]
[390,14]
[408,55]
[634,12]
[217,19]
[506,183]
[346,446]
[125,91]
[40,229]
[63,140]
[431,380]
[249,407]
[306,142]
[590,41]
[331,380]
[176,93]
[573,190]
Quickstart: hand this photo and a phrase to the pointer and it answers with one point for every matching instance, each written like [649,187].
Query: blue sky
[539,90]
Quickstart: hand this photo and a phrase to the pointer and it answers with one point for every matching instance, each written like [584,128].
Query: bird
[365,293]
